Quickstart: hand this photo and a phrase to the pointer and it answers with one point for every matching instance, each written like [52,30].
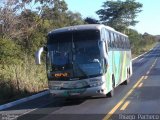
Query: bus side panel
[119,62]
[123,60]
[126,60]
[117,66]
[129,61]
[109,73]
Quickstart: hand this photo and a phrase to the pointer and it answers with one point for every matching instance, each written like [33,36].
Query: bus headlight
[55,85]
[97,83]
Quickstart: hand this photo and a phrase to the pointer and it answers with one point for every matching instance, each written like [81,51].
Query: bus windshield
[76,51]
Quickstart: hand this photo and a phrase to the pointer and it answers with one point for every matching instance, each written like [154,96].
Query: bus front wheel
[126,82]
[111,93]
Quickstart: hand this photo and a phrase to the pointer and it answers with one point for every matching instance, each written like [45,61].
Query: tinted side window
[112,40]
[108,38]
[104,38]
[111,43]
[123,39]
[103,35]
[116,40]
[119,41]
[124,42]
[128,43]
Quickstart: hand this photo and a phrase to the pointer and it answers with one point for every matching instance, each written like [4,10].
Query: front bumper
[85,92]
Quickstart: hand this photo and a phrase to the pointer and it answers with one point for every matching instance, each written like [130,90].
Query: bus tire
[111,93]
[126,82]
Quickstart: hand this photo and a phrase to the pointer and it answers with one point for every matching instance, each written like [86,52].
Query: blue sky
[149,18]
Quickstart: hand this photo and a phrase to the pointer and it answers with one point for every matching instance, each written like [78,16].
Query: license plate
[73,92]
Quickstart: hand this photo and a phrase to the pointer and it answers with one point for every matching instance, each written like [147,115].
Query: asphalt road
[140,99]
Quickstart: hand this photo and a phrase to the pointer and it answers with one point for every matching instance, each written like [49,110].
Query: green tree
[74,18]
[119,14]
[59,16]
[9,52]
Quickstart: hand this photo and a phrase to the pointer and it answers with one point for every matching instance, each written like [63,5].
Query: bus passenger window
[108,38]
[119,41]
[124,39]
[103,35]
[111,44]
[115,40]
[128,43]
[112,40]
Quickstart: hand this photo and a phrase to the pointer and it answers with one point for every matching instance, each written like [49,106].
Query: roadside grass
[138,51]
[21,80]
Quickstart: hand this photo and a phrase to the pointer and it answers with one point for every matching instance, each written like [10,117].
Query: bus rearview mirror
[38,56]
[103,53]
[102,49]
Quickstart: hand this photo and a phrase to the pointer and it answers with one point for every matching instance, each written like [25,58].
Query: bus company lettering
[61,75]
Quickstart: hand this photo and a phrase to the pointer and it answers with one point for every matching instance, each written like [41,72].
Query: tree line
[24,25]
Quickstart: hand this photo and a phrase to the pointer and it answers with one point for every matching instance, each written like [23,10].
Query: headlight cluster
[97,83]
[58,87]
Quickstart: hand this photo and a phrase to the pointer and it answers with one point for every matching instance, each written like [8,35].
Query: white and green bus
[86,60]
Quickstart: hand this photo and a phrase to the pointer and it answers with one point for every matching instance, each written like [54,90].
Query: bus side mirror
[103,53]
[38,56]
[102,49]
